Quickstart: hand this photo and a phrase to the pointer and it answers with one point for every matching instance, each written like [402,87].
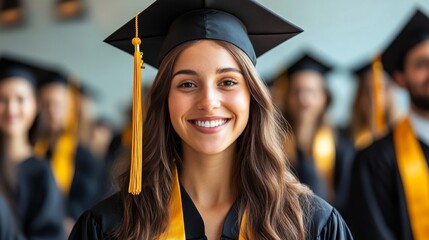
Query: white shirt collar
[420,126]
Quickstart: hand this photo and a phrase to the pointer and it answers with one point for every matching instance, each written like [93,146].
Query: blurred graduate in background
[389,197]
[373,109]
[79,175]
[26,182]
[321,156]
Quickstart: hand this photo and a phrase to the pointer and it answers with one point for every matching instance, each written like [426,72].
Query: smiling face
[17,106]
[209,100]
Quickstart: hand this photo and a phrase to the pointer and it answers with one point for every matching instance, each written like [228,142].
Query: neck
[51,136]
[208,179]
[304,132]
[421,113]
[17,148]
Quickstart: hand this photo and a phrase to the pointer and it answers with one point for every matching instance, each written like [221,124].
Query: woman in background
[27,182]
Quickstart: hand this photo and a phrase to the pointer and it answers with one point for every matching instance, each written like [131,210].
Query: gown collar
[194,224]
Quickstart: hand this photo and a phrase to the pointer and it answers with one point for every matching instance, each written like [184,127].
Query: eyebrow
[230,69]
[218,71]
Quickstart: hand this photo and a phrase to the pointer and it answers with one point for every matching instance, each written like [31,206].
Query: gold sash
[324,155]
[62,162]
[176,227]
[415,177]
[363,139]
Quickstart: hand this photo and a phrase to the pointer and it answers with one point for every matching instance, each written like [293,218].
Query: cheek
[177,106]
[240,104]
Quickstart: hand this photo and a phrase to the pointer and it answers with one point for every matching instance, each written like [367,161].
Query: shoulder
[34,167]
[100,220]
[85,160]
[324,222]
[380,154]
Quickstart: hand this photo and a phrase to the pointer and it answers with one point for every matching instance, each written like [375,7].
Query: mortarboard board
[244,23]
[168,23]
[415,31]
[308,62]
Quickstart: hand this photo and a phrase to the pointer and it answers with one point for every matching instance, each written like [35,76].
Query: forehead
[420,50]
[203,55]
[307,78]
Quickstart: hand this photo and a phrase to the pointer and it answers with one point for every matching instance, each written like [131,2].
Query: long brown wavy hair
[276,203]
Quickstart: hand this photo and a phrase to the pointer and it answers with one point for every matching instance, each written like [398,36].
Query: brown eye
[187,85]
[228,83]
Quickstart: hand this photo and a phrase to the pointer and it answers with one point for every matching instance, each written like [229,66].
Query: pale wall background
[344,32]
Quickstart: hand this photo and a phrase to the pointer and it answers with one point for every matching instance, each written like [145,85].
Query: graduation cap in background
[415,31]
[308,62]
[14,66]
[168,23]
[10,12]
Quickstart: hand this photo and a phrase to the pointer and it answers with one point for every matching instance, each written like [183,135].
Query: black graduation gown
[97,223]
[307,174]
[7,226]
[40,208]
[378,208]
[344,155]
[88,185]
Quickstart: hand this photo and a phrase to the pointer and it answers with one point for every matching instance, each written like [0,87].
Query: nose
[209,99]
[12,107]
[304,98]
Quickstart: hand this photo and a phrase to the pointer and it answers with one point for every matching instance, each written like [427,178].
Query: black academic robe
[378,209]
[97,223]
[7,225]
[39,204]
[344,155]
[88,185]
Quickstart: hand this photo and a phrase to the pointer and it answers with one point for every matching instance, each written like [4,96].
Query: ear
[399,78]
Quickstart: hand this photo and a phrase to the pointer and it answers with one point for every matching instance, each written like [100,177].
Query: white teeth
[210,124]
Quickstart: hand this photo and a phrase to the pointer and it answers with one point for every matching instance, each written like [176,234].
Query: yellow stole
[363,139]
[323,151]
[176,226]
[62,160]
[415,177]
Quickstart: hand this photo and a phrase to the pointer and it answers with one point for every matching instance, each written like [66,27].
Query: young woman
[26,181]
[317,143]
[213,161]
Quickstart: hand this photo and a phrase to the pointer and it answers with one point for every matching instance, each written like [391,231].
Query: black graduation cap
[53,76]
[167,23]
[308,62]
[15,67]
[415,31]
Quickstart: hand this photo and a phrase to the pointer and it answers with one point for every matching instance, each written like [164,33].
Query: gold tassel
[135,184]
[377,87]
